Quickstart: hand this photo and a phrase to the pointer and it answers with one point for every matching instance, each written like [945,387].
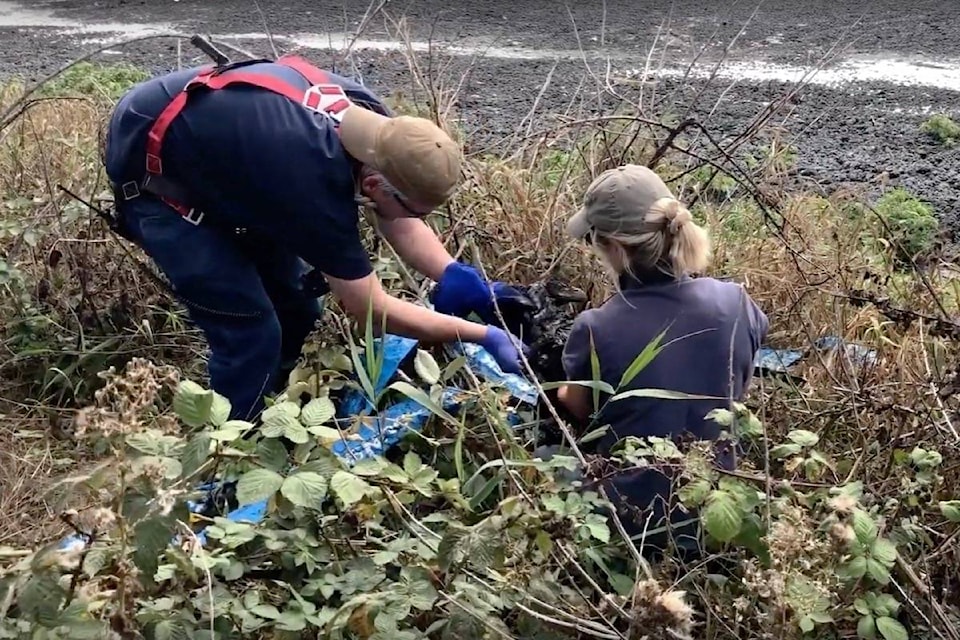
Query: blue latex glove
[462,290]
[503,347]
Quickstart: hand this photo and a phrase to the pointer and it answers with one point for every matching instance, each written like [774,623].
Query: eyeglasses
[406,207]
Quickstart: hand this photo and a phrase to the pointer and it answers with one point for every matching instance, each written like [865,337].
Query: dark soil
[866,135]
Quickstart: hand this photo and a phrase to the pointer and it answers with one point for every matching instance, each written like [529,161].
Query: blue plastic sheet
[783,360]
[483,364]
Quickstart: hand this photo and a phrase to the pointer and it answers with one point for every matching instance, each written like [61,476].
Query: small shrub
[942,128]
[912,225]
[96,80]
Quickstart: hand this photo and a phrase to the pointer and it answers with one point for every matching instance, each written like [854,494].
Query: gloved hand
[503,347]
[462,290]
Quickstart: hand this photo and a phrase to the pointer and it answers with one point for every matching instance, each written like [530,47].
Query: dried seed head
[843,503]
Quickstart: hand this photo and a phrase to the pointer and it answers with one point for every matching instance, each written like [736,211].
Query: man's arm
[402,318]
[417,244]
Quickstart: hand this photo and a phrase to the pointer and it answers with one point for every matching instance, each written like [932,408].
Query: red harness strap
[322,96]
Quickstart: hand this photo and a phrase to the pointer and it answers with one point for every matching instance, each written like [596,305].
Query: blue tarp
[782,360]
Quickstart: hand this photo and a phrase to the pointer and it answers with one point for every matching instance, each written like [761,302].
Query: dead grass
[74,301]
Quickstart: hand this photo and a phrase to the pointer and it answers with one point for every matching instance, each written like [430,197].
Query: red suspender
[322,96]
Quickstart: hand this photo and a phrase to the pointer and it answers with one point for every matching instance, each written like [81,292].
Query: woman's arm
[577,399]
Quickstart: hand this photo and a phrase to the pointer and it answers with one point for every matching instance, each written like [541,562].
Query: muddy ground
[865,134]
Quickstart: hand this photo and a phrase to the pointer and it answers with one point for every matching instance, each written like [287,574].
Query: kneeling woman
[713,331]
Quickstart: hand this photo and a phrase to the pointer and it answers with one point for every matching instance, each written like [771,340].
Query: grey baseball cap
[617,201]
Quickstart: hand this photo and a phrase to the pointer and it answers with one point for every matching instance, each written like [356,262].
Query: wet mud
[864,136]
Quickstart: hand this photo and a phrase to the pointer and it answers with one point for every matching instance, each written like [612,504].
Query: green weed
[942,128]
[910,223]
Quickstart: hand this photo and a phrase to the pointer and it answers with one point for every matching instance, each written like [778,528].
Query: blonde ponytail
[671,242]
[689,243]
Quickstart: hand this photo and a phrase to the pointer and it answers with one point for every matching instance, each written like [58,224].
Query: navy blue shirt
[713,330]
[254,159]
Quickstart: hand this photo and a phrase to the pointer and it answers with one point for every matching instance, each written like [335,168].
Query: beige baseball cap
[413,154]
[617,201]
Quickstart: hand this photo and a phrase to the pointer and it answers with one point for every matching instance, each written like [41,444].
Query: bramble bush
[445,536]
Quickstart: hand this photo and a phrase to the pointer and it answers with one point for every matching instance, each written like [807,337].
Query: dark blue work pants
[243,291]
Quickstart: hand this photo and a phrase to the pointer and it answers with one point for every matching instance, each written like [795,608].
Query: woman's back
[712,330]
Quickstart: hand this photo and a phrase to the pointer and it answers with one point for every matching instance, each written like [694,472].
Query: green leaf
[418,396]
[453,367]
[853,570]
[296,432]
[867,628]
[192,403]
[645,357]
[324,462]
[784,450]
[349,488]
[412,463]
[924,459]
[877,571]
[272,454]
[219,410]
[950,510]
[864,527]
[292,621]
[318,412]
[861,607]
[890,629]
[170,630]
[598,529]
[806,624]
[749,426]
[278,423]
[803,437]
[152,442]
[257,485]
[97,558]
[40,599]
[886,605]
[226,433]
[723,417]
[369,467]
[695,492]
[595,434]
[450,547]
[195,453]
[267,611]
[421,593]
[594,372]
[884,551]
[426,367]
[661,394]
[722,517]
[151,536]
[305,489]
